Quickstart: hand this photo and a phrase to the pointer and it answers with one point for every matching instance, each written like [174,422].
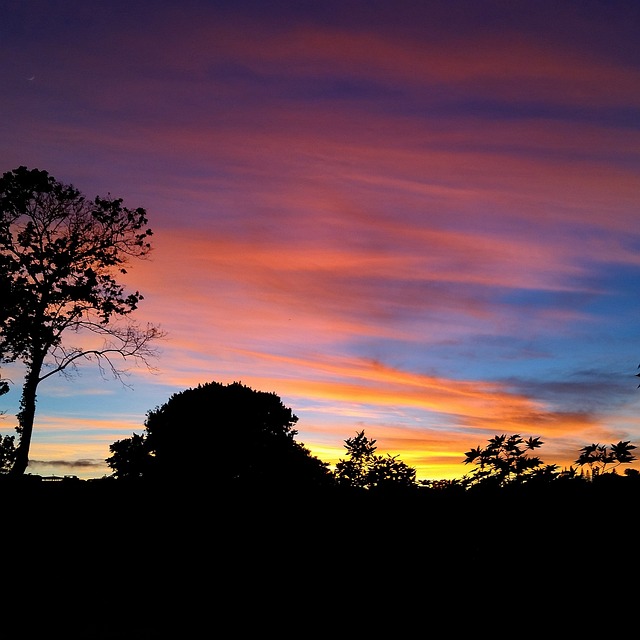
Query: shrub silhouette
[363,469]
[505,461]
[218,434]
[601,459]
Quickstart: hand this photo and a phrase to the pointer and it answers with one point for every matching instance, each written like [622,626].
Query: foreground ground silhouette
[127,560]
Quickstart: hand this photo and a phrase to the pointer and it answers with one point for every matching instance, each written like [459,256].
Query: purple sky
[420,219]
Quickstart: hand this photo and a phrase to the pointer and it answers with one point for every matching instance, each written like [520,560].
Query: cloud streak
[418,219]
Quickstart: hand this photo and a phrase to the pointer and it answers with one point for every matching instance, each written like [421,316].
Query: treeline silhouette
[215,513]
[232,438]
[234,447]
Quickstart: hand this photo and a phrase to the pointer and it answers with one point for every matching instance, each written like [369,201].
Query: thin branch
[123,342]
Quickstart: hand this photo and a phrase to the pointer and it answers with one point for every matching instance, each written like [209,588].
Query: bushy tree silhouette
[131,458]
[504,461]
[59,257]
[601,459]
[221,435]
[363,469]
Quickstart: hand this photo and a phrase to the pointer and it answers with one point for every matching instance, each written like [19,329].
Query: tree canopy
[505,461]
[603,459]
[219,435]
[363,469]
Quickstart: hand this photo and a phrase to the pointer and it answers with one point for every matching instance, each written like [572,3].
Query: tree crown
[59,257]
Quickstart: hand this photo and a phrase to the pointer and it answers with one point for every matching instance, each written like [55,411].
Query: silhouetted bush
[215,436]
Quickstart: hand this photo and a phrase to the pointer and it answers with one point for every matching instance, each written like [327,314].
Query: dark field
[114,560]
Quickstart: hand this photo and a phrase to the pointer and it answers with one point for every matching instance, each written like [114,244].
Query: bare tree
[60,254]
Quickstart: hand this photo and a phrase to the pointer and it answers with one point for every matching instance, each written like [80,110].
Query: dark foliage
[61,256]
[504,461]
[601,459]
[364,470]
[220,435]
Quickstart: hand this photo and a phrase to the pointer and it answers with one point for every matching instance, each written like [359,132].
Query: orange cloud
[424,419]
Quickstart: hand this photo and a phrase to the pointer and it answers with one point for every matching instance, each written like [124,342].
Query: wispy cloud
[415,218]
[69,464]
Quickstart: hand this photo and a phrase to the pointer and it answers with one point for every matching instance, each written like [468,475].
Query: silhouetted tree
[363,469]
[7,443]
[7,453]
[504,461]
[4,388]
[131,458]
[220,435]
[59,255]
[601,459]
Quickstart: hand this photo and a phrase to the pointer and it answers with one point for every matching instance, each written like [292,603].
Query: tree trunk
[26,418]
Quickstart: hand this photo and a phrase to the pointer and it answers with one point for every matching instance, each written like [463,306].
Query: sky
[416,219]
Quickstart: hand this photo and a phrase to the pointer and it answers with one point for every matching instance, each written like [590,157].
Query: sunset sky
[416,219]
